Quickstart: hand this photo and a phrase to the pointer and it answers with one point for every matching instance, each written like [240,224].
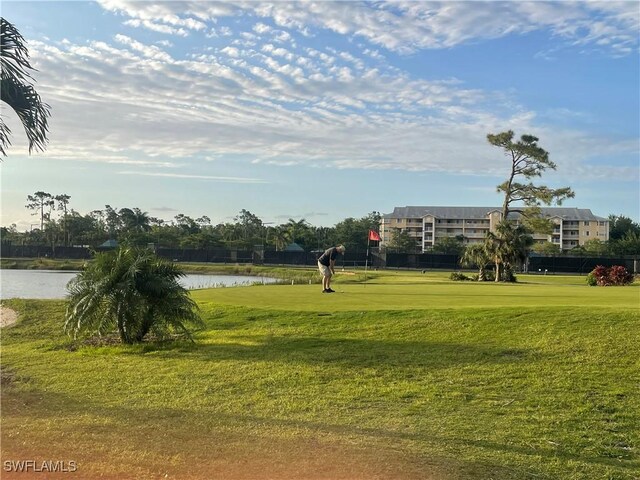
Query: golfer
[326,265]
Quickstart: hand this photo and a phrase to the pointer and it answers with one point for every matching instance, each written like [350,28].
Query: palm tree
[297,229]
[135,220]
[133,291]
[280,237]
[17,91]
[476,255]
[509,245]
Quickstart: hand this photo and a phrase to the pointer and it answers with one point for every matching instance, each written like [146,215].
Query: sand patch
[7,317]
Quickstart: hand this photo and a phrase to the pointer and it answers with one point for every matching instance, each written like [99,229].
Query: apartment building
[428,225]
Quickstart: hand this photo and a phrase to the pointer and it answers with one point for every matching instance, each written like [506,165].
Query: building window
[587,233]
[586,224]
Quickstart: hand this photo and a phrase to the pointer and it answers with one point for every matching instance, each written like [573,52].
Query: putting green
[424,294]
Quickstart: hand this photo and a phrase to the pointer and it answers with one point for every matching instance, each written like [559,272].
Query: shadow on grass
[345,351]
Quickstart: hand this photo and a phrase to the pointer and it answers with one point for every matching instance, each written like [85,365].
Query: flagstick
[366,262]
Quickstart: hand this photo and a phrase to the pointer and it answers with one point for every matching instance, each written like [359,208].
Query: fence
[351,259]
[583,265]
[38,251]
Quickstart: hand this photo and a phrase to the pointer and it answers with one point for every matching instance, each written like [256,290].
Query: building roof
[293,247]
[109,244]
[483,212]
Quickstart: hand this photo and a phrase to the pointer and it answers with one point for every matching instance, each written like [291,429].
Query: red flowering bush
[604,276]
[619,275]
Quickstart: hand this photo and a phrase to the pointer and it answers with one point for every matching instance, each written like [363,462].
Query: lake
[52,283]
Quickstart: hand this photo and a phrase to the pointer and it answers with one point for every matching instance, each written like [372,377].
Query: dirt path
[7,317]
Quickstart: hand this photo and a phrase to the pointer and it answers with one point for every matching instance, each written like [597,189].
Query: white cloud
[279,105]
[231,51]
[156,16]
[149,51]
[261,28]
[406,26]
[193,177]
[156,27]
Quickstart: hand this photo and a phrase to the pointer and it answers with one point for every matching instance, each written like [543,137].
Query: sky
[323,110]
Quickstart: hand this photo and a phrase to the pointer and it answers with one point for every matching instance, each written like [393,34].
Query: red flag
[374,236]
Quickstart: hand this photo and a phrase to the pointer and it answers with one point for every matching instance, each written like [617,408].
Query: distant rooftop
[483,212]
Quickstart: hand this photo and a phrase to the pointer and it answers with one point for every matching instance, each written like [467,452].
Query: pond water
[52,283]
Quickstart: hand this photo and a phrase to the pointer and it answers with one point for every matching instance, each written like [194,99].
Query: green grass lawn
[407,377]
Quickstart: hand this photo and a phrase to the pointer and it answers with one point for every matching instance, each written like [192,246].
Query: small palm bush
[132,291]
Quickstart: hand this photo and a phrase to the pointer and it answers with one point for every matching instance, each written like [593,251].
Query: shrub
[458,277]
[603,276]
[489,276]
[131,290]
[618,275]
[507,275]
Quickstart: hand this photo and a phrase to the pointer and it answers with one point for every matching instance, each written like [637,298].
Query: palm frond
[33,113]
[14,56]
[5,132]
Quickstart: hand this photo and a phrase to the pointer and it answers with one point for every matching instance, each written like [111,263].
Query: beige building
[428,225]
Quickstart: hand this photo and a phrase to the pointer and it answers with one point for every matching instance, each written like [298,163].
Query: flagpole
[366,262]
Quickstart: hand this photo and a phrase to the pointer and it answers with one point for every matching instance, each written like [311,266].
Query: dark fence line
[206,255]
[352,258]
[583,265]
[422,261]
[37,251]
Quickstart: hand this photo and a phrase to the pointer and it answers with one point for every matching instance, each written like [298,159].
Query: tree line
[60,225]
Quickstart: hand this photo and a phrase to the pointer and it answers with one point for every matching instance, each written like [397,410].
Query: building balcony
[477,224]
[475,235]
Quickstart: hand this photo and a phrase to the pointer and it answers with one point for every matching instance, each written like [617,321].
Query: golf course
[397,375]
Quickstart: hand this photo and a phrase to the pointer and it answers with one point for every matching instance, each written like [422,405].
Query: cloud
[406,26]
[123,100]
[214,178]
[196,177]
[156,27]
[149,51]
[160,17]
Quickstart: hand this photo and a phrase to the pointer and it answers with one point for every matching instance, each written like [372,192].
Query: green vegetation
[132,291]
[527,161]
[408,376]
[510,243]
[40,264]
[133,226]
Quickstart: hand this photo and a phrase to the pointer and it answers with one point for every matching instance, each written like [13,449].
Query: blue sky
[323,110]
